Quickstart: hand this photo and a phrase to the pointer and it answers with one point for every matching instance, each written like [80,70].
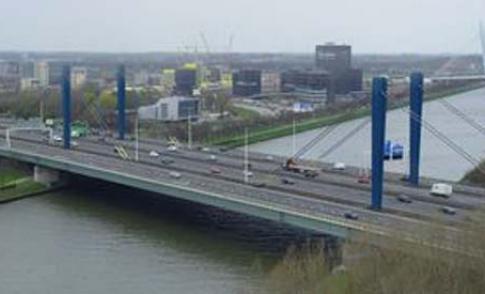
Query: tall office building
[41,73]
[334,59]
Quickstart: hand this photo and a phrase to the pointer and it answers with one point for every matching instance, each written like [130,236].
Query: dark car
[287,181]
[258,184]
[448,210]
[351,215]
[404,198]
[167,161]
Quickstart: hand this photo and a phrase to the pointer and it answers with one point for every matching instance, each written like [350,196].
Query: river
[107,239]
[437,161]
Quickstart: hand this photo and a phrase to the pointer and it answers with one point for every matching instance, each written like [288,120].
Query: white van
[339,166]
[440,189]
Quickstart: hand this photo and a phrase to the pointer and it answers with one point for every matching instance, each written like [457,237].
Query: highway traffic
[336,194]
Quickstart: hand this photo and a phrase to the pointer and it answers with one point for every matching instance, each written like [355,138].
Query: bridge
[333,202]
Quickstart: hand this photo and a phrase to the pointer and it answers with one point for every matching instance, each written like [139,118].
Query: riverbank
[15,185]
[268,133]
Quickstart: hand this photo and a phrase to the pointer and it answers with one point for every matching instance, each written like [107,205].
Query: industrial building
[336,60]
[185,81]
[175,108]
[246,82]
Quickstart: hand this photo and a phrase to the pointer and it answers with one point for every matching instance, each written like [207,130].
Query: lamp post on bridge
[121,101]
[66,105]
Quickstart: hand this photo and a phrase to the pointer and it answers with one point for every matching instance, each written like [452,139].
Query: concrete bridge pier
[46,176]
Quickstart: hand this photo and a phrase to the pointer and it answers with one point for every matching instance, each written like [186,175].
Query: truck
[293,166]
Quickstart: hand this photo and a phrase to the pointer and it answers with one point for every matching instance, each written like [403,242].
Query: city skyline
[376,26]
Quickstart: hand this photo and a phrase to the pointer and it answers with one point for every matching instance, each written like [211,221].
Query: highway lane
[341,179]
[305,205]
[303,187]
[370,223]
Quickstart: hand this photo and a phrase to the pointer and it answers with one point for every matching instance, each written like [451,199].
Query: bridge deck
[312,204]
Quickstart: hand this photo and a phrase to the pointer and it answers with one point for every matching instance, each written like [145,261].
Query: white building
[176,108]
[41,73]
[29,84]
[270,82]
[79,76]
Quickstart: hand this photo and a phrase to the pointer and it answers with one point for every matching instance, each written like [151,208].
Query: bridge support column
[416,111]
[121,83]
[46,176]
[379,107]
[66,105]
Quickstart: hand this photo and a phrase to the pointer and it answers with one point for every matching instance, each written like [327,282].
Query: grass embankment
[268,133]
[398,267]
[243,113]
[15,185]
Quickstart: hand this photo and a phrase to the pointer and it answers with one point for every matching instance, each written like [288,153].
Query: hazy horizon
[151,26]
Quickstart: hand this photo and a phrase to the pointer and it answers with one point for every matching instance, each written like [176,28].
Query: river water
[112,240]
[438,160]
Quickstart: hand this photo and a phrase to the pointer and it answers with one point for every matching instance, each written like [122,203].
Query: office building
[336,60]
[270,82]
[79,76]
[29,84]
[246,83]
[41,73]
[176,108]
[185,81]
[305,81]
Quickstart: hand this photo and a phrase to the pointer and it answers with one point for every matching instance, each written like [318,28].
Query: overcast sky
[371,26]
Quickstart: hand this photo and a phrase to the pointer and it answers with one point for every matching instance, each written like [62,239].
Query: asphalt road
[331,194]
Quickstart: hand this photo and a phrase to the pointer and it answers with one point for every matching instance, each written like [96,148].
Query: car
[57,138]
[404,198]
[172,148]
[215,170]
[167,161]
[363,179]
[154,153]
[175,175]
[351,215]
[205,149]
[213,157]
[269,157]
[339,166]
[258,184]
[74,144]
[441,190]
[448,210]
[310,174]
[287,181]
